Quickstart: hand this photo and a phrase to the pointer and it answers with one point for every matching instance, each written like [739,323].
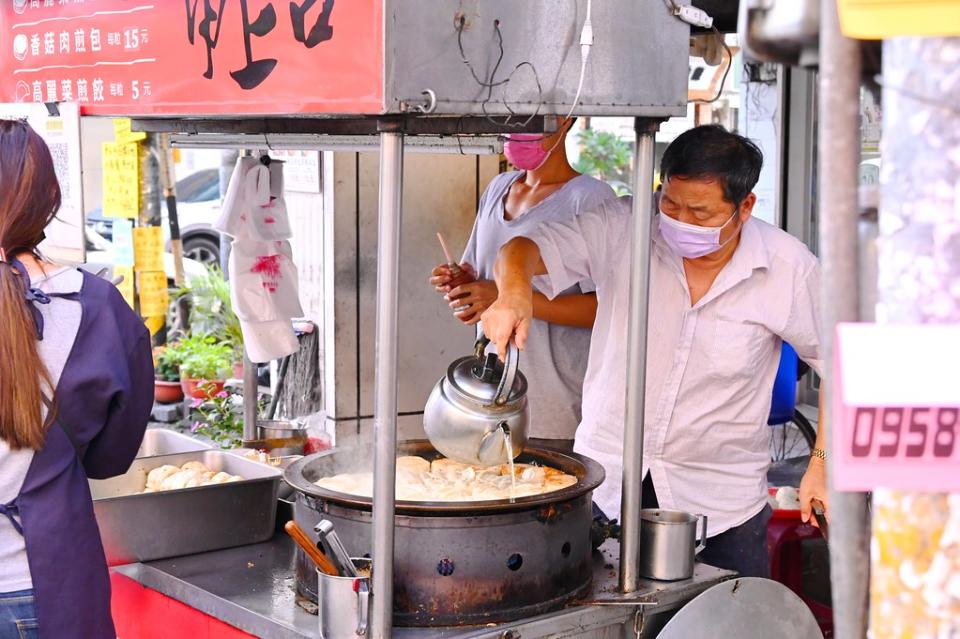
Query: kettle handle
[510,367]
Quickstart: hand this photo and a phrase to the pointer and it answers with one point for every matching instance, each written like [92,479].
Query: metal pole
[385,381]
[250,392]
[839,157]
[636,356]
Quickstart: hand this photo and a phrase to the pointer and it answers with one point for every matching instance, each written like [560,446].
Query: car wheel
[205,250]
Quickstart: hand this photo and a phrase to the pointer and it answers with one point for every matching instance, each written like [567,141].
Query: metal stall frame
[391,132]
[839,144]
[643,160]
[385,386]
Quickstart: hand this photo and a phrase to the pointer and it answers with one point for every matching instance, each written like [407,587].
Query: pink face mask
[525,150]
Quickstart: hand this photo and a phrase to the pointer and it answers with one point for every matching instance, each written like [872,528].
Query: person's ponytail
[22,372]
[29,199]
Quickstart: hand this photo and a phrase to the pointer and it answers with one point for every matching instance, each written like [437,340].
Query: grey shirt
[61,321]
[555,359]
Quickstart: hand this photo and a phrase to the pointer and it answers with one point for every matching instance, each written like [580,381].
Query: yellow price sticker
[148,248]
[154,324]
[154,295]
[879,19]
[126,285]
[121,180]
[122,131]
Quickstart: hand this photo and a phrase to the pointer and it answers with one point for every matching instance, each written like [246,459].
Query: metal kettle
[477,406]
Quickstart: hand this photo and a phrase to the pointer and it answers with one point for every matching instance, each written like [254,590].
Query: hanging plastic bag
[267,341]
[254,207]
[263,281]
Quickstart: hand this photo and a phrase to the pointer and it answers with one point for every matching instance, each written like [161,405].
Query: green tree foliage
[605,156]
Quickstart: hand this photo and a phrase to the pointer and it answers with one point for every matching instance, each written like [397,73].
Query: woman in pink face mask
[544,188]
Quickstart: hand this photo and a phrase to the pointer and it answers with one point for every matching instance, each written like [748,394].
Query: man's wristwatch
[819,453]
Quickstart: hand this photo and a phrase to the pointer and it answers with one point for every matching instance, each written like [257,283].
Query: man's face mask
[692,241]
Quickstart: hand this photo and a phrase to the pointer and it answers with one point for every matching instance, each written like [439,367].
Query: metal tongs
[327,534]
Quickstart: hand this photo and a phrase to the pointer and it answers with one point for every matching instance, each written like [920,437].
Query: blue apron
[104,398]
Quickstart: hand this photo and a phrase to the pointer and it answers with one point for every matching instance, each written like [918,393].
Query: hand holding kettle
[509,317]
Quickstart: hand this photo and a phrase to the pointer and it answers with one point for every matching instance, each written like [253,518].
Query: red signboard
[203,57]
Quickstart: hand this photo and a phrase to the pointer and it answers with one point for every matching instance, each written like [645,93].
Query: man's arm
[469,301]
[517,264]
[578,310]
[814,482]
[562,250]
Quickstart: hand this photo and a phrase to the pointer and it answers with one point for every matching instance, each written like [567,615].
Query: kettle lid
[478,378]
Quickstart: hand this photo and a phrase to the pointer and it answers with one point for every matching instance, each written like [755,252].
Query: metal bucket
[668,543]
[344,603]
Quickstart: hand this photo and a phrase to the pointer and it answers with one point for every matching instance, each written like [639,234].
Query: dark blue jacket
[104,398]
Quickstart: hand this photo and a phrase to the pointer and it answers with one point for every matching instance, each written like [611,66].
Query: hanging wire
[726,71]
[490,82]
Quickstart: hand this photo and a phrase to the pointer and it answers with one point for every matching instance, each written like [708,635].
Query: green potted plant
[205,366]
[211,313]
[166,385]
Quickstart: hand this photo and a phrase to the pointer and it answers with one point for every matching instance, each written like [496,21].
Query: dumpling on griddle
[413,464]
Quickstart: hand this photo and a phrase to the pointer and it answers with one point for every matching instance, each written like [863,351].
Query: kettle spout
[496,447]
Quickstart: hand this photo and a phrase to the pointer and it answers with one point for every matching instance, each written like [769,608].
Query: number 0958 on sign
[897,408]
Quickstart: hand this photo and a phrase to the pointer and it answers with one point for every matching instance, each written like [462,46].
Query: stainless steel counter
[252,588]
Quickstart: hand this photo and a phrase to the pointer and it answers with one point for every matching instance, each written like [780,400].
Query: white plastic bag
[263,281]
[254,207]
[267,341]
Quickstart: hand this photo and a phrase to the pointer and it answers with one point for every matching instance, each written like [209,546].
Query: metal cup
[344,603]
[668,543]
[281,437]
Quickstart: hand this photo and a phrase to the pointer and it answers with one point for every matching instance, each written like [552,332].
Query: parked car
[198,207]
[100,258]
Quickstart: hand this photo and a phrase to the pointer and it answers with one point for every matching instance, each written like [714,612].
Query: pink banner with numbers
[194,57]
[896,407]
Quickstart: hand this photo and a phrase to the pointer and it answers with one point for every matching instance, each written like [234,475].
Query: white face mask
[690,240]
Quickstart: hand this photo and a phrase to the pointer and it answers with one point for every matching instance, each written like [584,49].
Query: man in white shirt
[725,291]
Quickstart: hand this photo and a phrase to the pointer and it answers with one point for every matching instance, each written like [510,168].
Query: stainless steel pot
[461,563]
[668,543]
[478,407]
[343,605]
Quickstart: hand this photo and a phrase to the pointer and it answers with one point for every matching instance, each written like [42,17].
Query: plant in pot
[211,312]
[205,366]
[166,385]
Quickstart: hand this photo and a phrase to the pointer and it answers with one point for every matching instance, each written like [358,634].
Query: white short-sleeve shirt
[555,359]
[710,367]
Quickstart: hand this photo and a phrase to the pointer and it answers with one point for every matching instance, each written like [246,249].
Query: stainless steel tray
[163,441]
[144,527]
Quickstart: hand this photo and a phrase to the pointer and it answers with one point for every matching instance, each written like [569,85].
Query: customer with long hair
[75,396]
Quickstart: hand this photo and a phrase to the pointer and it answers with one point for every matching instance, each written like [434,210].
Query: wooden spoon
[300,537]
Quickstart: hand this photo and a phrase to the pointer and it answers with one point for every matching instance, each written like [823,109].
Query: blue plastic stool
[784,388]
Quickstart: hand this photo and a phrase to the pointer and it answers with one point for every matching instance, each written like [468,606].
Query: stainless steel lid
[478,378]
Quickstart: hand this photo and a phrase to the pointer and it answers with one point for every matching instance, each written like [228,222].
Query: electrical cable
[726,72]
[491,82]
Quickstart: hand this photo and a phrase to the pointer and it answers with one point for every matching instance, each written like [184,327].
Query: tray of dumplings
[174,505]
